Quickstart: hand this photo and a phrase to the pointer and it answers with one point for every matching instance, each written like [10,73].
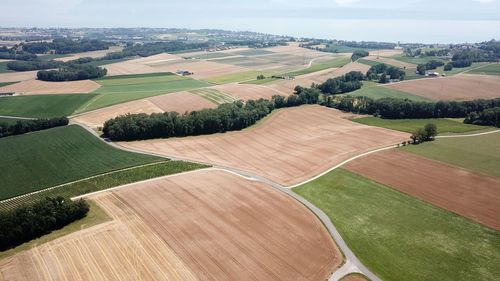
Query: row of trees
[487,117]
[29,65]
[432,64]
[403,108]
[72,72]
[346,83]
[10,54]
[226,117]
[65,46]
[25,126]
[42,217]
[359,54]
[380,72]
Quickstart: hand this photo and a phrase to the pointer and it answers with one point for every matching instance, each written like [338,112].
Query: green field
[489,69]
[368,62]
[53,56]
[2,84]
[106,181]
[8,121]
[119,89]
[333,63]
[214,95]
[50,157]
[410,125]
[413,60]
[235,77]
[343,49]
[399,237]
[378,92]
[478,153]
[261,81]
[43,106]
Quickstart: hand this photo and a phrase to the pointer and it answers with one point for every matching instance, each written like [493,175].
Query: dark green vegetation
[226,117]
[65,46]
[407,109]
[9,121]
[51,157]
[376,92]
[4,68]
[478,153]
[25,126]
[401,238]
[105,181]
[383,73]
[118,89]
[346,46]
[43,106]
[489,69]
[344,84]
[427,133]
[359,54]
[432,64]
[72,72]
[410,125]
[2,84]
[23,65]
[32,221]
[487,117]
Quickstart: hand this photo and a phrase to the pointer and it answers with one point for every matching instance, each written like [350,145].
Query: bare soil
[37,87]
[249,91]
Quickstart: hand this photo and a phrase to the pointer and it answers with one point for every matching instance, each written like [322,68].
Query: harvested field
[467,193]
[234,229]
[294,49]
[123,249]
[179,101]
[17,76]
[156,58]
[285,148]
[214,95]
[386,52]
[37,87]
[127,67]
[389,61]
[249,91]
[92,54]
[201,69]
[287,86]
[458,87]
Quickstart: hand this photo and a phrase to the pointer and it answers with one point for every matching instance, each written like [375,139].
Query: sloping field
[201,69]
[469,194]
[287,86]
[213,95]
[17,76]
[179,102]
[390,61]
[376,91]
[386,52]
[42,106]
[294,49]
[459,87]
[37,87]
[489,69]
[285,148]
[43,159]
[249,91]
[91,54]
[234,229]
[127,67]
[125,248]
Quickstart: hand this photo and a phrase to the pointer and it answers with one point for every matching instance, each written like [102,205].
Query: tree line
[346,83]
[31,221]
[383,73]
[432,64]
[72,72]
[226,117]
[359,54]
[25,126]
[487,117]
[65,46]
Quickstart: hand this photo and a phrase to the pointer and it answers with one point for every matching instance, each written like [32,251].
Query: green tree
[430,131]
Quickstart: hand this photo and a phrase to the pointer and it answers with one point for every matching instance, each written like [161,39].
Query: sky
[425,21]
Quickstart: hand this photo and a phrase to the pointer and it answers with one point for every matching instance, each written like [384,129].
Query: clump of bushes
[428,133]
[72,72]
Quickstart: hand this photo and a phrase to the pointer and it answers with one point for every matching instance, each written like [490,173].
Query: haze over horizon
[386,20]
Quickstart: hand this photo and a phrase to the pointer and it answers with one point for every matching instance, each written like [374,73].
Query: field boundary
[467,135]
[15,117]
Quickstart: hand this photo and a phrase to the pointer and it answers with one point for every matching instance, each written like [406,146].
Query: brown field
[290,146]
[294,49]
[472,195]
[389,61]
[287,86]
[92,54]
[37,87]
[249,91]
[179,102]
[458,87]
[125,248]
[201,69]
[234,229]
[156,58]
[386,52]
[127,67]
[17,76]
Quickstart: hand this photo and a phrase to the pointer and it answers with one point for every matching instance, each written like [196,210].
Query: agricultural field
[213,95]
[38,87]
[8,121]
[249,91]
[469,194]
[47,158]
[478,153]
[235,77]
[489,69]
[43,106]
[17,76]
[259,149]
[459,87]
[385,227]
[414,60]
[2,84]
[444,125]
[314,67]
[390,61]
[119,89]
[377,92]
[253,52]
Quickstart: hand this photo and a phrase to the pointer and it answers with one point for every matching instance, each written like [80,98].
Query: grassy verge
[2,84]
[378,92]
[401,238]
[43,106]
[106,181]
[42,159]
[414,60]
[95,216]
[478,153]
[410,125]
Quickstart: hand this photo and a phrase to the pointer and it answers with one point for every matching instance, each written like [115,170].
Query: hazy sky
[429,21]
